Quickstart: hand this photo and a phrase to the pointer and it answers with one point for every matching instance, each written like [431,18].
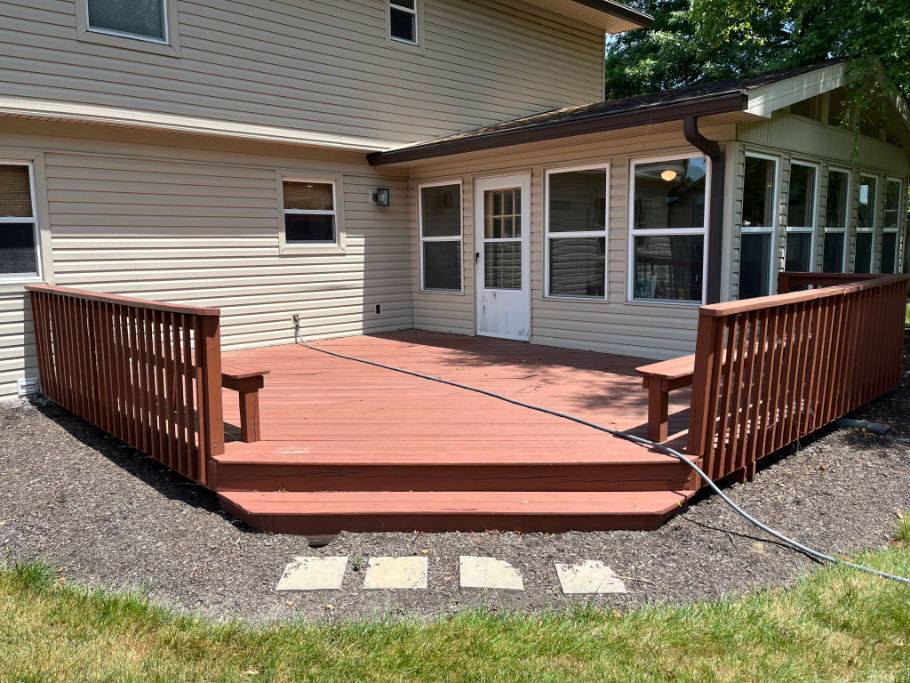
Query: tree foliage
[711,39]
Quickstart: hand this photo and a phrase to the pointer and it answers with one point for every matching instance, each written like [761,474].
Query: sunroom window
[144,19]
[836,217]
[309,212]
[18,223]
[757,238]
[865,224]
[668,230]
[891,225]
[577,233]
[440,237]
[403,20]
[801,217]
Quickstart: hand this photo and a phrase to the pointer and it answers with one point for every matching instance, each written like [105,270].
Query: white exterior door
[502,257]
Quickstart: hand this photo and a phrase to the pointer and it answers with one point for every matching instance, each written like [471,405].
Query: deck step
[549,511]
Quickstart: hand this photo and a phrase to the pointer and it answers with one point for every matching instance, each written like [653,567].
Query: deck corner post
[701,381]
[213,416]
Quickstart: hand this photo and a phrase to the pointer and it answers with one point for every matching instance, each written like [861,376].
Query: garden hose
[628,437]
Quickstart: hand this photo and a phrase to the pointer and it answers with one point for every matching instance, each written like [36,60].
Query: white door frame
[518,327]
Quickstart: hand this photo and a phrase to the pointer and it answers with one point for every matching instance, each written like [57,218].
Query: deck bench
[660,379]
[247,382]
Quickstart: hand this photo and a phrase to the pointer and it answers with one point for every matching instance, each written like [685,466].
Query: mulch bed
[104,514]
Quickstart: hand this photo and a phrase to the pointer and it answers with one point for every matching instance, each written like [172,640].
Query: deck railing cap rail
[736,307]
[124,300]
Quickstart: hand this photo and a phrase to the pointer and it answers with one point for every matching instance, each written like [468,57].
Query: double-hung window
[18,222]
[865,224]
[758,226]
[403,21]
[576,232]
[890,225]
[837,217]
[440,237]
[310,215]
[142,19]
[667,227]
[801,210]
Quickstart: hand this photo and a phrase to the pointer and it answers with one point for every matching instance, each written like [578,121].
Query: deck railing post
[213,416]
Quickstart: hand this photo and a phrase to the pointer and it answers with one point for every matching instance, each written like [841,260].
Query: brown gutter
[593,123]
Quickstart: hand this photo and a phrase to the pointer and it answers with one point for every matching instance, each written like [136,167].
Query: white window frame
[33,219]
[803,230]
[897,228]
[399,43]
[460,238]
[764,229]
[875,217]
[605,233]
[326,247]
[845,230]
[633,233]
[170,46]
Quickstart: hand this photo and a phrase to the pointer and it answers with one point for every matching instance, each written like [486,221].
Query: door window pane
[306,227]
[838,199]
[755,265]
[758,193]
[578,266]
[833,261]
[502,265]
[135,17]
[801,197]
[863,263]
[442,265]
[18,254]
[892,203]
[865,217]
[669,267]
[502,214]
[889,252]
[578,200]
[670,194]
[441,211]
[799,252]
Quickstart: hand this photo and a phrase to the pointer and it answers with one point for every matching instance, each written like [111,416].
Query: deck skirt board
[346,445]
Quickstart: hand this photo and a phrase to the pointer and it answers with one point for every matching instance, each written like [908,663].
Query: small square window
[18,223]
[403,20]
[309,212]
[144,19]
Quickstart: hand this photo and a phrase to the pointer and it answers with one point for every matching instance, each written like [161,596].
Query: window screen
[144,18]
[440,237]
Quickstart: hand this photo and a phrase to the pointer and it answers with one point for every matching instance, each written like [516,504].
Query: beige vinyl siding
[200,226]
[649,330]
[315,65]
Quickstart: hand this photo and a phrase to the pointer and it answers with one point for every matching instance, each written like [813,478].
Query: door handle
[476,258]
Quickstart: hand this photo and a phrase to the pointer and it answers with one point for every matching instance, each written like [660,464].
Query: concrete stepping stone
[313,574]
[589,577]
[385,573]
[487,572]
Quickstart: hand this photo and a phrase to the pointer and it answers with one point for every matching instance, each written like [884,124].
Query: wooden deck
[351,446]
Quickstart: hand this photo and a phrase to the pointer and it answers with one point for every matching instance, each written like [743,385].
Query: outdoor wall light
[668,175]
[381,196]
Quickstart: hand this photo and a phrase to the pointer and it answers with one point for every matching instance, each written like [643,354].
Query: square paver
[589,577]
[384,573]
[487,572]
[313,574]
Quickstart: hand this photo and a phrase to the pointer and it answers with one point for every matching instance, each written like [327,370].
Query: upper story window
[142,19]
[403,20]
[810,108]
[18,222]
[309,212]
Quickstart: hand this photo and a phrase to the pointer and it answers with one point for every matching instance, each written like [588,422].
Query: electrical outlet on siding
[378,309]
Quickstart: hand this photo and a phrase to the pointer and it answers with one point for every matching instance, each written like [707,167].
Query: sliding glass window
[757,238]
[667,251]
[440,237]
[576,226]
[891,220]
[837,216]
[801,209]
[865,224]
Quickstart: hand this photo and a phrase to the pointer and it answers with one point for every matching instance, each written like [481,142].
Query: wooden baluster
[191,459]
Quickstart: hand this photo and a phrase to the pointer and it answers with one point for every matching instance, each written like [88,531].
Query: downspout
[716,211]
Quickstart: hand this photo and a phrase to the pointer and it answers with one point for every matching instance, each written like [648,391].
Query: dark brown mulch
[104,514]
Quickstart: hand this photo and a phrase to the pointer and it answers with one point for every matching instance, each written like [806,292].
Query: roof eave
[733,101]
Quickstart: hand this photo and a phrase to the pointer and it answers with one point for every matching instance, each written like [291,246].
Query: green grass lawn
[835,624]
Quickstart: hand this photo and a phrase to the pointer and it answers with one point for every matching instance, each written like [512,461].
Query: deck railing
[771,370]
[148,373]
[792,281]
